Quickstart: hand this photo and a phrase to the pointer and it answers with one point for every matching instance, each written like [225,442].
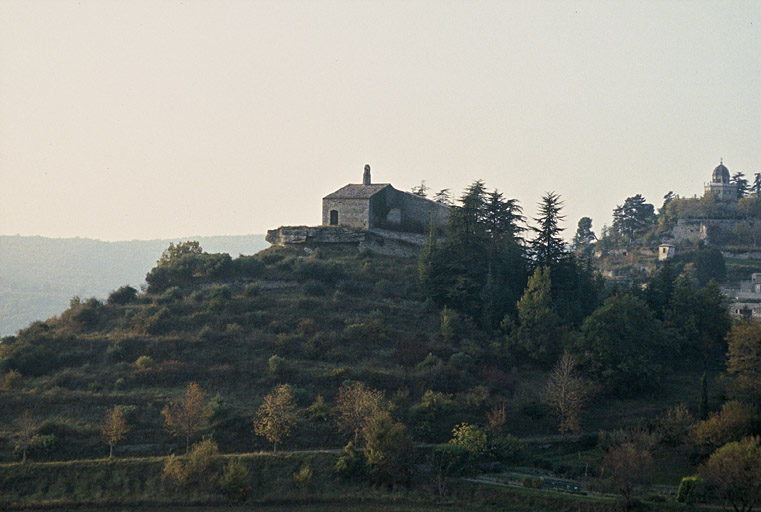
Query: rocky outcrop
[380,241]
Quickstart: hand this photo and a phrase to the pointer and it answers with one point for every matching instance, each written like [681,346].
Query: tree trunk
[187,444]
[110,451]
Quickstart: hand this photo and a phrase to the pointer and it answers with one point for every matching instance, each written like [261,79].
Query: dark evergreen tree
[757,184]
[738,179]
[703,405]
[584,234]
[547,247]
[633,217]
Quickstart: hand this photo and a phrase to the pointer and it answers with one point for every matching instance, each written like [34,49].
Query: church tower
[720,185]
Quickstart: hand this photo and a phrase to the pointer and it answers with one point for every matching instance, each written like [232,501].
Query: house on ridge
[380,206]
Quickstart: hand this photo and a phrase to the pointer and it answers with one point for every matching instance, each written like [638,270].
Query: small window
[334,217]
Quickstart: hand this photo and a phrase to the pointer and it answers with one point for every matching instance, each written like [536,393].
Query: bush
[277,365]
[251,290]
[10,380]
[532,483]
[234,481]
[352,465]
[690,490]
[303,477]
[197,469]
[314,289]
[144,362]
[122,296]
[508,449]
[385,288]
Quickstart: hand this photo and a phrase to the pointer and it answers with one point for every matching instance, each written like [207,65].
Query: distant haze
[39,276]
[145,119]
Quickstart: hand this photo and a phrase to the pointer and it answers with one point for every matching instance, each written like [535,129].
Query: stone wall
[417,213]
[390,243]
[351,212]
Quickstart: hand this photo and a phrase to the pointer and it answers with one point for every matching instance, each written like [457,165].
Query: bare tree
[566,393]
[624,467]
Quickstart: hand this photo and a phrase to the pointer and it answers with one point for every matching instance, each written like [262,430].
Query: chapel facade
[380,206]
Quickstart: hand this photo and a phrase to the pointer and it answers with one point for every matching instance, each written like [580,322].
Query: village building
[380,206]
[720,185]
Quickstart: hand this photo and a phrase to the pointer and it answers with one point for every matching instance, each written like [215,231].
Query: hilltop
[38,275]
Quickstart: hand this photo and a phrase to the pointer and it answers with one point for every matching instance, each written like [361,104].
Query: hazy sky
[157,119]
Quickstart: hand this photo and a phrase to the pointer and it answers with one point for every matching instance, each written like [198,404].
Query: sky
[161,119]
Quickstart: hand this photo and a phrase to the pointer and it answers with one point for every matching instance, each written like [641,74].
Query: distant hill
[38,275]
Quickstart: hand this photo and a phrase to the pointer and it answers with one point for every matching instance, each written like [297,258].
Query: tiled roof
[353,191]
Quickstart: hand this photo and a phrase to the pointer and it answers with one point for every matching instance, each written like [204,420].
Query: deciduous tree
[276,417]
[389,449]
[744,360]
[188,415]
[356,404]
[566,393]
[624,467]
[114,429]
[734,472]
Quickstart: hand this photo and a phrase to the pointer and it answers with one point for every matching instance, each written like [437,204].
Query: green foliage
[144,362]
[538,336]
[508,449]
[633,218]
[303,477]
[121,296]
[690,490]
[733,422]
[473,439]
[548,247]
[734,473]
[623,346]
[277,365]
[389,449]
[200,468]
[479,268]
[744,361]
[352,465]
[234,481]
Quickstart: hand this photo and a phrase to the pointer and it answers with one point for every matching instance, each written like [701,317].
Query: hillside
[320,321]
[38,276]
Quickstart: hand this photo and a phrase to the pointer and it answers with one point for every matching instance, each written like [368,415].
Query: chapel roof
[354,191]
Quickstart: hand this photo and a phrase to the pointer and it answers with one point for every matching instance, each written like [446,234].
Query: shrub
[199,468]
[169,295]
[251,290]
[352,465]
[144,362]
[10,380]
[690,490]
[508,449]
[314,289]
[303,477]
[234,481]
[532,483]
[277,365]
[122,296]
[385,288]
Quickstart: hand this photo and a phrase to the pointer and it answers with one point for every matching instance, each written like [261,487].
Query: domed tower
[720,185]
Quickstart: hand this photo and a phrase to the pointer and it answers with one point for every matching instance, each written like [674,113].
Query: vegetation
[467,362]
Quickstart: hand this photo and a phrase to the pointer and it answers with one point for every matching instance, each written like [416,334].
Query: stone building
[720,185]
[381,206]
